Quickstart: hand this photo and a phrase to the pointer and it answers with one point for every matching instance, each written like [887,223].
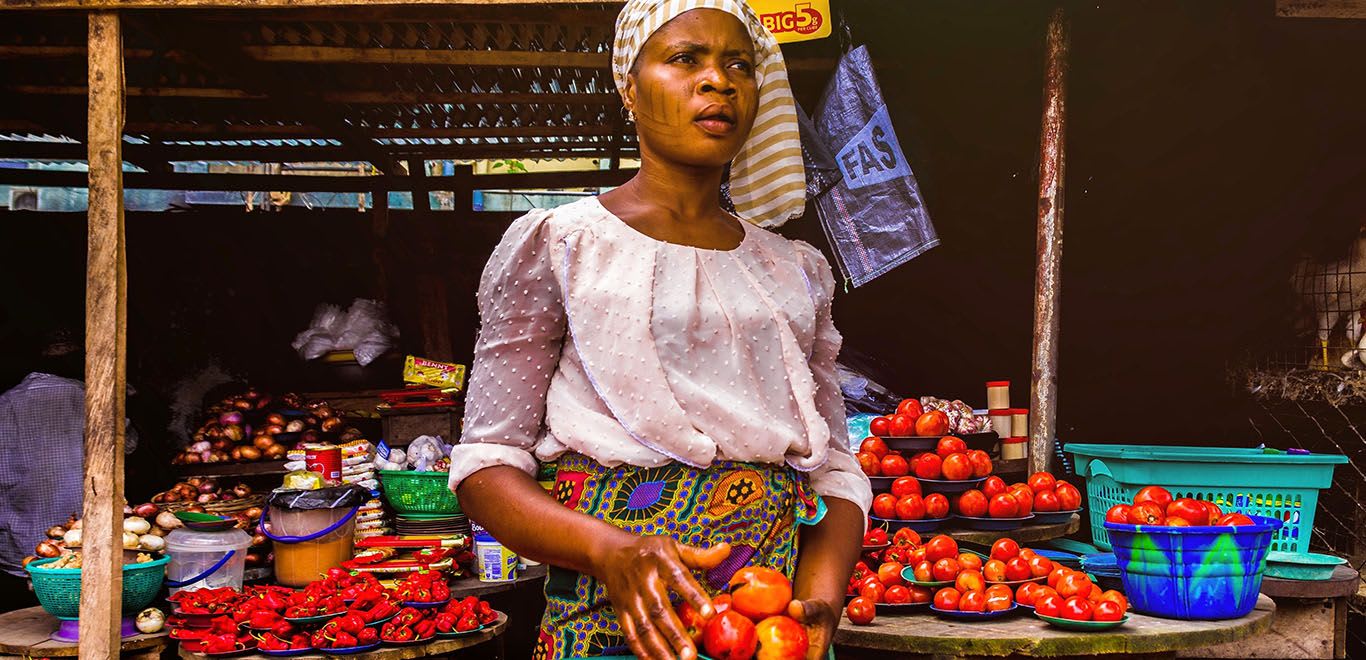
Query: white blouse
[600,340]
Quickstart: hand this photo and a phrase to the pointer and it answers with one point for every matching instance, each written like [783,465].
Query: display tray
[919,526]
[894,609]
[411,642]
[350,650]
[312,620]
[456,633]
[1089,626]
[288,653]
[945,486]
[983,441]
[976,616]
[1053,517]
[993,524]
[1017,583]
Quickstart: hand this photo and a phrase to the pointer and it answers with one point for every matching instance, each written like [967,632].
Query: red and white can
[326,460]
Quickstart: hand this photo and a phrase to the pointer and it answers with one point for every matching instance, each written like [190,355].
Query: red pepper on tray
[424,628]
[367,637]
[445,622]
[467,623]
[265,619]
[220,643]
[346,640]
[350,623]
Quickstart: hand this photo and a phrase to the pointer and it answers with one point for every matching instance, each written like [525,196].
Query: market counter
[928,635]
[439,647]
[24,634]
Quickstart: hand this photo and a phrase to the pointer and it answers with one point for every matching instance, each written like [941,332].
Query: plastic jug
[206,560]
[313,530]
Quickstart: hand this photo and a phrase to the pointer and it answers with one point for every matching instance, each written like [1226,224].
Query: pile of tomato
[910,420]
[1041,493]
[1070,594]
[749,620]
[887,584]
[1154,505]
[951,460]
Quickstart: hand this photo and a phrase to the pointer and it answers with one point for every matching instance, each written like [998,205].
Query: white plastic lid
[188,540]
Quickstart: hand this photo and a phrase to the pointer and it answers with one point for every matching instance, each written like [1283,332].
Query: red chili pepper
[367,637]
[351,623]
[425,628]
[346,640]
[467,623]
[445,622]
[220,643]
[223,625]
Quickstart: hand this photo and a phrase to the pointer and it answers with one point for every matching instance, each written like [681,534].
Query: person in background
[42,447]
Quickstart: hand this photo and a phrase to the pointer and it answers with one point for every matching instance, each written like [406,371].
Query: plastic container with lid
[494,562]
[206,560]
[998,395]
[1014,449]
[1000,422]
[1019,422]
[313,530]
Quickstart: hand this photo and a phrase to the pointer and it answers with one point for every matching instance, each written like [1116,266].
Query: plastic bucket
[206,560]
[1212,572]
[312,530]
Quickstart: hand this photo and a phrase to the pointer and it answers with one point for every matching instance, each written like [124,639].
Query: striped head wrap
[767,179]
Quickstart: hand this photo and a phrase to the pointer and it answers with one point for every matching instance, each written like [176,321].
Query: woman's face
[693,89]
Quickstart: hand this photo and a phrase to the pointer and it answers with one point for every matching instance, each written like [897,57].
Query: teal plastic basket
[59,589]
[1272,484]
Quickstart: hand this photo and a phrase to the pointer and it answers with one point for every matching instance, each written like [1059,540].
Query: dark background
[1208,145]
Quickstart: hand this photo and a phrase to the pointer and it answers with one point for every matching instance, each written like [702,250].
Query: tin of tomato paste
[326,460]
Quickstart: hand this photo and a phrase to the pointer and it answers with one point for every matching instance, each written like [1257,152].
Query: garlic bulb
[72,538]
[130,541]
[136,525]
[151,542]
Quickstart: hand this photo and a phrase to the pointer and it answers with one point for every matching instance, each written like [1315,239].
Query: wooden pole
[417,173]
[106,310]
[1043,398]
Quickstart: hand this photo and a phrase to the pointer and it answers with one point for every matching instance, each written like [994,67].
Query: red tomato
[1147,513]
[1003,506]
[950,444]
[1117,598]
[973,601]
[934,422]
[929,466]
[957,467]
[910,407]
[924,571]
[902,425]
[875,446]
[897,594]
[894,465]
[1027,593]
[941,547]
[1155,494]
[869,463]
[1046,501]
[1025,500]
[880,426]
[994,570]
[759,592]
[1048,604]
[884,506]
[1005,549]
[947,598]
[692,621]
[1118,513]
[1215,512]
[920,594]
[1041,481]
[994,486]
[999,601]
[1192,511]
[917,555]
[1056,575]
[730,636]
[970,562]
[1236,519]
[946,569]
[972,503]
[969,581]
[875,536]
[1040,566]
[1076,609]
[1107,611]
[981,463]
[873,590]
[861,611]
[721,602]
[1027,554]
[1017,569]
[781,638]
[904,486]
[906,536]
[910,507]
[1074,583]
[889,574]
[1069,498]
[936,506]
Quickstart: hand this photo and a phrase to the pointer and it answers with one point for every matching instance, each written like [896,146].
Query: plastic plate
[975,616]
[919,526]
[250,648]
[908,574]
[284,654]
[911,443]
[205,522]
[994,524]
[350,650]
[425,605]
[1016,583]
[1054,517]
[946,486]
[379,622]
[1082,625]
[877,548]
[900,608]
[310,620]
[455,633]
[413,642]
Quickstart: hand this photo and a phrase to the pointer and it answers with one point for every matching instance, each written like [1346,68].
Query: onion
[137,525]
[130,541]
[187,490]
[226,496]
[205,498]
[167,520]
[127,510]
[150,620]
[157,531]
[221,444]
[151,542]
[241,490]
[254,559]
[258,540]
[229,418]
[252,394]
[214,432]
[208,486]
[28,560]
[47,549]
[331,424]
[202,445]
[275,452]
[195,508]
[276,419]
[294,426]
[233,433]
[272,429]
[72,538]
[75,524]
[56,532]
[148,510]
[242,404]
[242,521]
[262,442]
[309,436]
[207,457]
[236,453]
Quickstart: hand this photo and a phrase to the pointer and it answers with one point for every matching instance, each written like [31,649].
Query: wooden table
[927,635]
[439,647]
[1025,534]
[1310,623]
[471,586]
[24,634]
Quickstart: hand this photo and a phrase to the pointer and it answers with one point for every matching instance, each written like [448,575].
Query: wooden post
[463,192]
[106,310]
[417,173]
[1043,397]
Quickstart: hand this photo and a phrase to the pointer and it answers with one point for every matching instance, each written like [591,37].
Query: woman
[677,363]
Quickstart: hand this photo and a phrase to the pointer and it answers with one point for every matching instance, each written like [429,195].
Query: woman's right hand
[639,572]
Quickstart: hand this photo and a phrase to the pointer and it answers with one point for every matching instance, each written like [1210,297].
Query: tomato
[692,621]
[950,444]
[879,426]
[994,570]
[906,536]
[1147,513]
[1027,593]
[1005,549]
[929,466]
[946,569]
[1025,500]
[910,507]
[920,594]
[994,486]
[903,486]
[1048,604]
[875,536]
[1041,481]
[889,574]
[981,463]
[1107,611]
[969,581]
[875,446]
[1075,583]
[1027,554]
[730,636]
[861,611]
[1118,513]
[970,562]
[917,555]
[781,638]
[941,547]
[1039,566]
[1236,519]
[1003,506]
[884,506]
[894,465]
[1215,512]
[934,422]
[1076,609]
[1047,501]
[1056,575]
[1069,498]
[1117,598]
[973,601]
[759,592]
[936,506]
[869,463]
[924,571]
[910,407]
[721,602]
[1192,511]
[897,594]
[999,601]
[1155,494]
[947,598]
[902,425]
[972,503]
[1017,569]
[957,467]
[873,590]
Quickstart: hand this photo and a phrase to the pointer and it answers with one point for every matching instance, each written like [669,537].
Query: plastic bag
[363,329]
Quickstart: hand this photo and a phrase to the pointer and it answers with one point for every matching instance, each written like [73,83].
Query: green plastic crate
[59,589]
[409,491]
[1277,485]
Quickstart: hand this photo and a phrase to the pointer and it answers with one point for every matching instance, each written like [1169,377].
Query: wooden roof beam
[255,4]
[320,183]
[354,97]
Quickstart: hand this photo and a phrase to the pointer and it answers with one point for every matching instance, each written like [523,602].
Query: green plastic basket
[1254,481]
[418,492]
[59,589]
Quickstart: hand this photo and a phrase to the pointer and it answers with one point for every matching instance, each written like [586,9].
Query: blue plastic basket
[1253,481]
[1193,572]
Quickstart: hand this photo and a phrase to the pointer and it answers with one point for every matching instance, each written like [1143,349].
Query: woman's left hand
[820,618]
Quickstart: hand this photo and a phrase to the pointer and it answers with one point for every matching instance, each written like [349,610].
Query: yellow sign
[793,20]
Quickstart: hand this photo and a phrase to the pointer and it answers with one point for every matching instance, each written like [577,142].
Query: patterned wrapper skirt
[754,507]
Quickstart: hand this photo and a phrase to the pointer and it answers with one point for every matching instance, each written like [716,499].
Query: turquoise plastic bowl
[59,589]
[1301,565]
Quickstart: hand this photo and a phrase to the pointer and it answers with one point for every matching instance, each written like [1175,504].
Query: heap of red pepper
[222,636]
[465,615]
[222,600]
[423,587]
[410,624]
[284,637]
[346,631]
